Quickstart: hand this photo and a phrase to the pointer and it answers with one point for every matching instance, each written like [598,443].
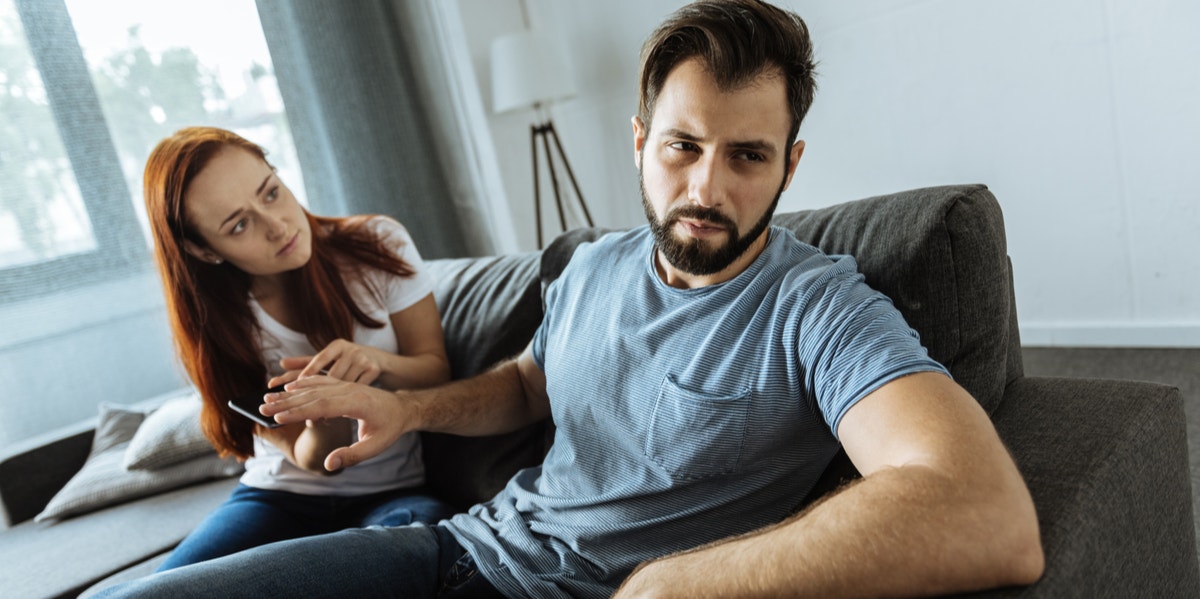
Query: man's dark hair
[737,40]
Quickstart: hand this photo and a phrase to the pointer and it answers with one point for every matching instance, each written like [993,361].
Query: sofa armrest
[33,470]
[1107,464]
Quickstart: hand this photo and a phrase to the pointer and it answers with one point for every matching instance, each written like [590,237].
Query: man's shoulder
[611,245]
[791,257]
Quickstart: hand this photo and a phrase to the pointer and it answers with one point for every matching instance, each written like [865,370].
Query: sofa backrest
[490,308]
[940,254]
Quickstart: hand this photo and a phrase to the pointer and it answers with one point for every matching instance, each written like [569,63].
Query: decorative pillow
[169,435]
[103,481]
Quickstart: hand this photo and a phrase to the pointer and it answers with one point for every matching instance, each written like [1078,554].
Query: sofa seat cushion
[51,559]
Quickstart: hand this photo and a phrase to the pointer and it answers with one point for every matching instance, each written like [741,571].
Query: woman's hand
[382,416]
[341,359]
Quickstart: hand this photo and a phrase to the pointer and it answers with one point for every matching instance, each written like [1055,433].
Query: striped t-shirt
[683,415]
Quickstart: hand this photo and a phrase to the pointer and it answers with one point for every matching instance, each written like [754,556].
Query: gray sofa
[1106,461]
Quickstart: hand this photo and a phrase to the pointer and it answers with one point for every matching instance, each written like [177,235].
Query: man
[701,372]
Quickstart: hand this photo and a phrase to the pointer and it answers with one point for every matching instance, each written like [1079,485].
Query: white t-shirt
[400,465]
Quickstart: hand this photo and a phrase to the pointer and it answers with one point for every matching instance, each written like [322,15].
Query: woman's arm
[502,399]
[420,361]
[306,444]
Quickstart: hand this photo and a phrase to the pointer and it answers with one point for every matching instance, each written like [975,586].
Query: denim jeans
[408,561]
[253,517]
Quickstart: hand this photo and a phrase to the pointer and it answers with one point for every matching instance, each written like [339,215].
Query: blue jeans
[253,517]
[408,561]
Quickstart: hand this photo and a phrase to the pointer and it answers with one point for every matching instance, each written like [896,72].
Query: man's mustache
[710,216]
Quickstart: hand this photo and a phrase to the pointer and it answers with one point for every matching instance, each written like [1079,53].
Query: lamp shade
[528,68]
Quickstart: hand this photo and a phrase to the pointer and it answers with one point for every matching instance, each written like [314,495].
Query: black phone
[248,406]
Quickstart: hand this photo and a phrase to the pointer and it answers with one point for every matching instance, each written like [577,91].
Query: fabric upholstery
[1106,462]
[34,470]
[103,481]
[169,435]
[490,308]
[61,558]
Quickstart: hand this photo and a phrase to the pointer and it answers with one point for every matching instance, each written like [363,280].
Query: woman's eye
[238,227]
[273,193]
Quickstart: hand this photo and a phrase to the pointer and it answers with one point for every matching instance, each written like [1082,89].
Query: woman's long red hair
[216,334]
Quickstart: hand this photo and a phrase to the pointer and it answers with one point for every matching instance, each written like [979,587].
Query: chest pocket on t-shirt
[696,435]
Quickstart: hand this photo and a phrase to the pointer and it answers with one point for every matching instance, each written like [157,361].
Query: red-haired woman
[259,293]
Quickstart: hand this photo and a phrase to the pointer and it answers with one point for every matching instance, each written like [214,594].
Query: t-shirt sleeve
[552,297]
[852,340]
[403,292]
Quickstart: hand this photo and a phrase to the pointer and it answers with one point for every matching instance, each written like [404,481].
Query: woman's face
[246,216]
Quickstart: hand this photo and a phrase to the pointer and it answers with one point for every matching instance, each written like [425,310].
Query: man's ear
[639,140]
[793,159]
[201,253]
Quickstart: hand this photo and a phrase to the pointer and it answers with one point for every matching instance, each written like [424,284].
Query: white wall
[64,353]
[1082,116]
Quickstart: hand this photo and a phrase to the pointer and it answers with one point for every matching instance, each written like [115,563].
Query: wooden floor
[1176,367]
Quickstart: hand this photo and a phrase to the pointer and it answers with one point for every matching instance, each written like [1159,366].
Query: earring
[217,261]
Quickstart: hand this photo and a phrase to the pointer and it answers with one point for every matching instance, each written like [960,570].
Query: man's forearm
[491,403]
[902,532]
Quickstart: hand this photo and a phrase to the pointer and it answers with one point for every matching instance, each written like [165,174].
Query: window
[87,88]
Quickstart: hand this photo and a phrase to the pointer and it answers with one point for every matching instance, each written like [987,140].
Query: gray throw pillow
[104,481]
[169,435]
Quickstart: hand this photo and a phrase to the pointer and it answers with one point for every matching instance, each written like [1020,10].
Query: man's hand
[382,416]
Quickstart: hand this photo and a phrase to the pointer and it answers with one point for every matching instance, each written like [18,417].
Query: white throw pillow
[169,435]
[104,481]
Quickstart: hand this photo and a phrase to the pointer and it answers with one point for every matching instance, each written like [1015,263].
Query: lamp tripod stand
[546,132]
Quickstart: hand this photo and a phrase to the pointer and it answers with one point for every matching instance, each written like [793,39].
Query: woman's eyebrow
[263,185]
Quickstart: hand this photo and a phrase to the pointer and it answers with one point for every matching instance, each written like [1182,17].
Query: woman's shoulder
[388,229]
[383,228]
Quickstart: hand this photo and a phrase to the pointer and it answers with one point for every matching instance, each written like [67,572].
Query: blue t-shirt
[683,415]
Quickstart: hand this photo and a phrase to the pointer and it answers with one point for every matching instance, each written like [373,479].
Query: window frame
[120,245]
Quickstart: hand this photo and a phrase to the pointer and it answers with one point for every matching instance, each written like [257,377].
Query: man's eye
[751,156]
[683,146]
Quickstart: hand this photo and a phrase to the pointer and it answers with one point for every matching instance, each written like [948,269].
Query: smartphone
[248,407]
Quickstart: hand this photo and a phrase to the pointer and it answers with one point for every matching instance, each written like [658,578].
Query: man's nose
[705,182]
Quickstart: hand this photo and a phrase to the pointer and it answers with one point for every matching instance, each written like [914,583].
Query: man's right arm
[502,399]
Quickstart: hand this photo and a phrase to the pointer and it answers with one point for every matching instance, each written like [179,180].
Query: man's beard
[693,256]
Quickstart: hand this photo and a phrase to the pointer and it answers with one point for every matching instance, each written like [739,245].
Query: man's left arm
[941,508]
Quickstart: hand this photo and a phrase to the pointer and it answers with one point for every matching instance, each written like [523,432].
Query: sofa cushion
[60,559]
[104,481]
[490,308]
[169,435]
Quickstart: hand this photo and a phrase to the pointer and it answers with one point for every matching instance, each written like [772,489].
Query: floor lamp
[530,70]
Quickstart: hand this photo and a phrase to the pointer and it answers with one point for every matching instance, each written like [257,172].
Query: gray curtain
[355,113]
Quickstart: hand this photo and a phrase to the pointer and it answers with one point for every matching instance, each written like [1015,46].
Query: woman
[259,293]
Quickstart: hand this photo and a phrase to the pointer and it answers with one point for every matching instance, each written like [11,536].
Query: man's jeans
[406,561]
